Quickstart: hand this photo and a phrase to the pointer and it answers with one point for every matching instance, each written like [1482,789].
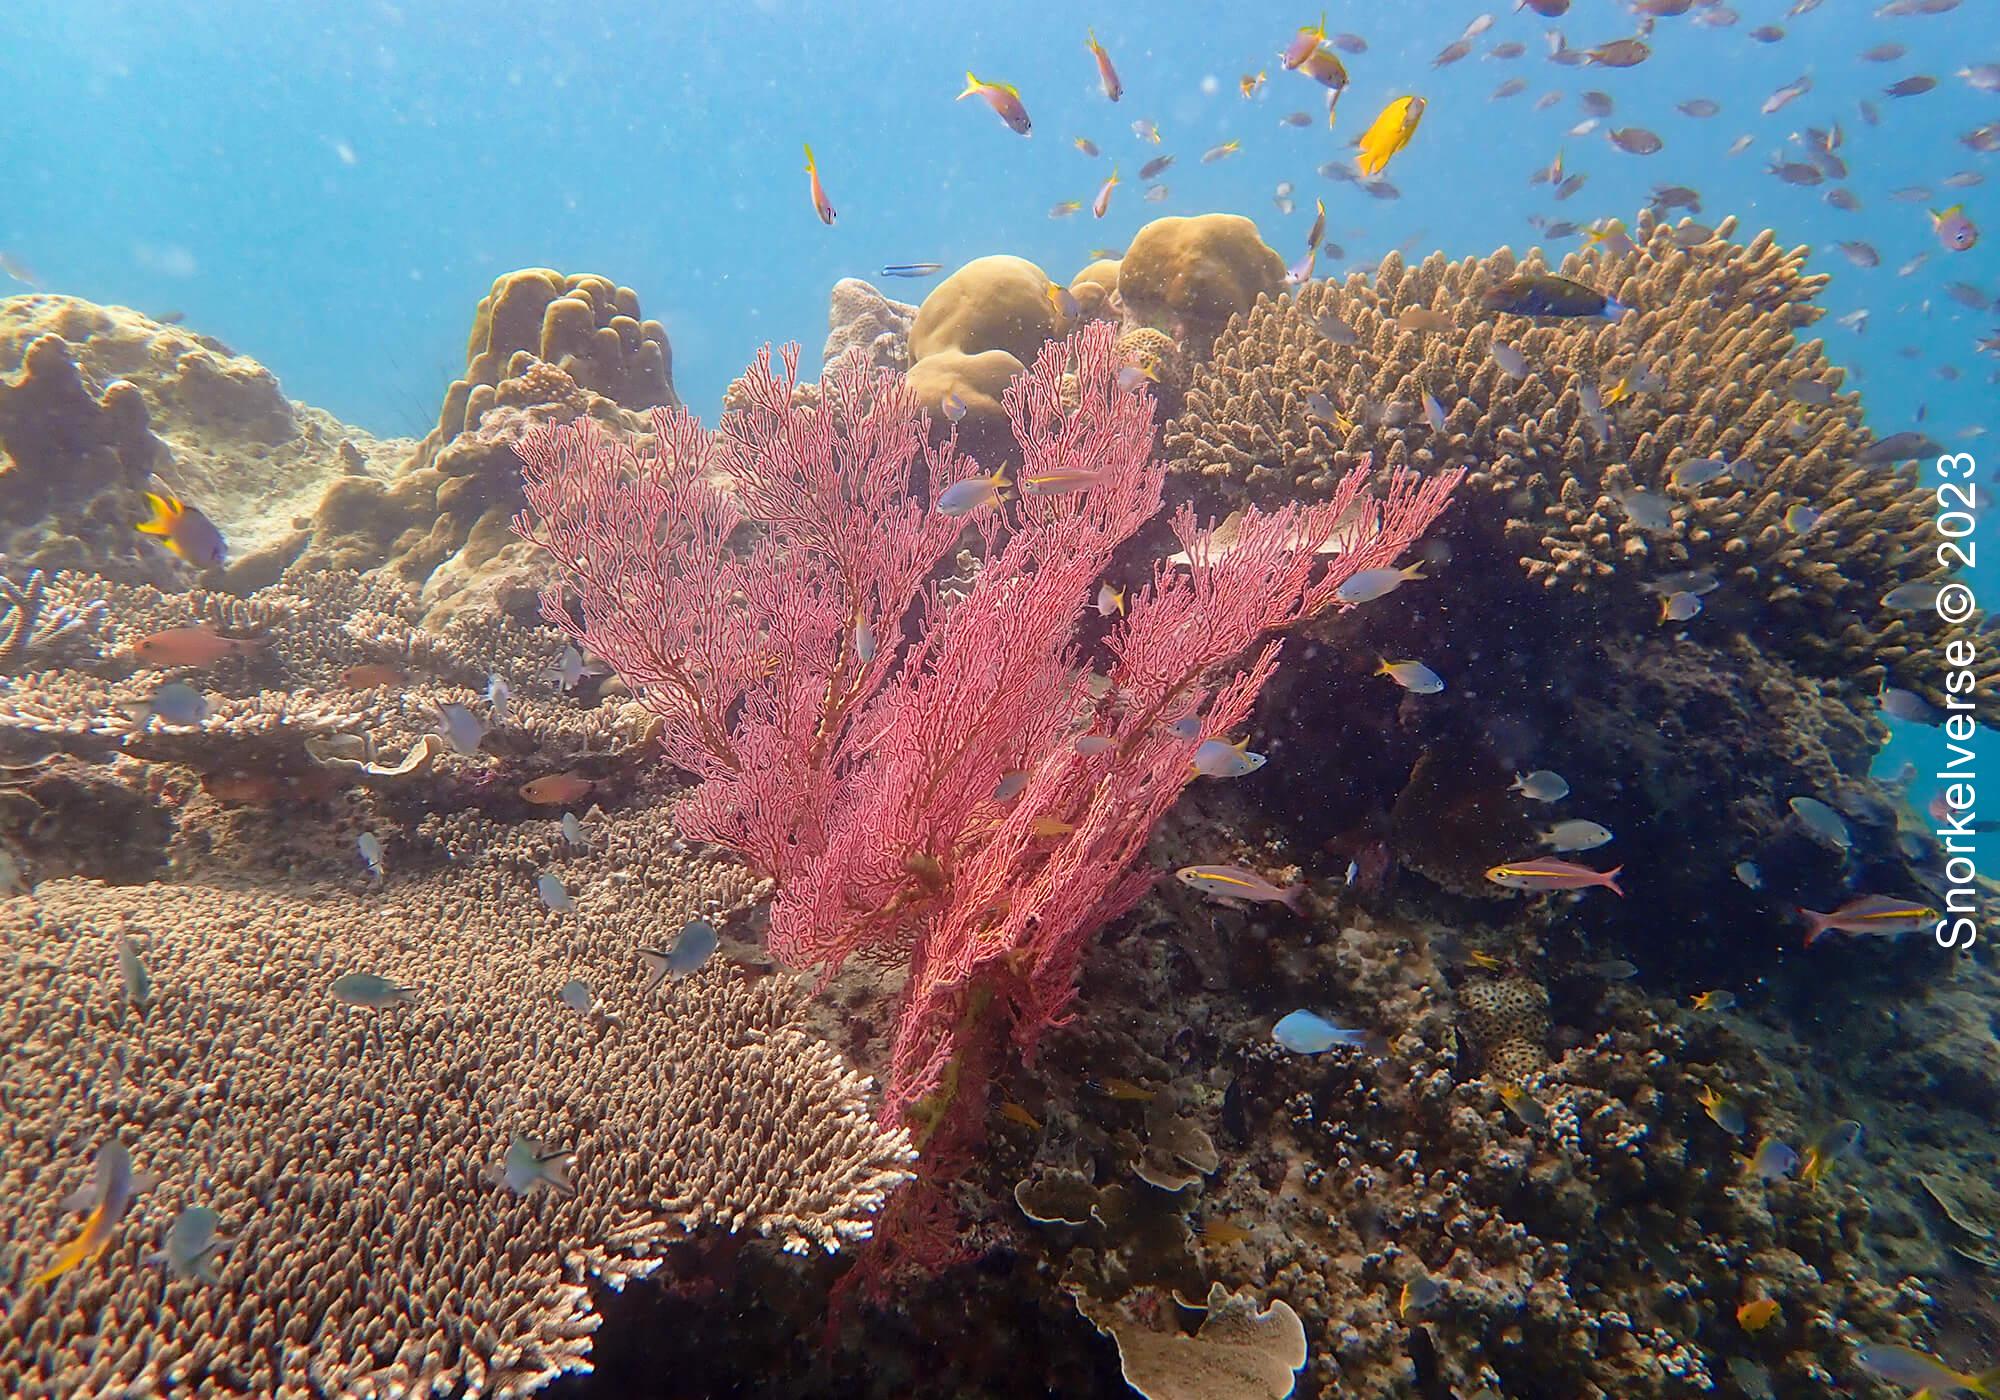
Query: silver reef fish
[690,951]
[526,1166]
[138,983]
[553,894]
[1218,758]
[366,989]
[1307,1033]
[1541,786]
[191,1246]
[459,727]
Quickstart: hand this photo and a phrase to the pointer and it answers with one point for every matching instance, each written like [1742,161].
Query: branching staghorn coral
[31,621]
[1707,365]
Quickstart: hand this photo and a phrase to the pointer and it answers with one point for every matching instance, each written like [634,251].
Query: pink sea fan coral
[902,758]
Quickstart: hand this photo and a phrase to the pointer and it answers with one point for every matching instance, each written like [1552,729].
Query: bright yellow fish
[1390,132]
[1757,1314]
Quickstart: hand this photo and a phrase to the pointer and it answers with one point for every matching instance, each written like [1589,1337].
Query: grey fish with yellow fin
[108,1197]
[183,530]
[1926,1375]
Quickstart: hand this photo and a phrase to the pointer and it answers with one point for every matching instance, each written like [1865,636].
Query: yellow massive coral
[1407,365]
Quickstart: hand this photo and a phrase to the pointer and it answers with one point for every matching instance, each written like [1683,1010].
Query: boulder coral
[1610,503]
[1189,275]
[582,324]
[973,334]
[544,348]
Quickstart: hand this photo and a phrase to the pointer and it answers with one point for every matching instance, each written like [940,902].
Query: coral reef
[1505,1019]
[342,676]
[860,319]
[975,332]
[1189,276]
[1707,366]
[95,399]
[853,736]
[343,1147]
[1595,1241]
[583,325]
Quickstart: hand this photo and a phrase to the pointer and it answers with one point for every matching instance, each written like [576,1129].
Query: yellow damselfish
[1390,132]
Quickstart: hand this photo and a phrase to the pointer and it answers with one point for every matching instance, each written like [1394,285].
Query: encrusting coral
[1706,365]
[347,1150]
[1240,1352]
[1506,1019]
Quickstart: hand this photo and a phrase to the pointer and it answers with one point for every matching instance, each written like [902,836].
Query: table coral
[344,1149]
[1708,365]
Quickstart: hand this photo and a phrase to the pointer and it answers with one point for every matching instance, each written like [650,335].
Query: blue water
[330,188]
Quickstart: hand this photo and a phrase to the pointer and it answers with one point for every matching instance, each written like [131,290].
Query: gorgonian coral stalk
[901,757]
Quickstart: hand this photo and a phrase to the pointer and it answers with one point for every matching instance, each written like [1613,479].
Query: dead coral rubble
[347,1150]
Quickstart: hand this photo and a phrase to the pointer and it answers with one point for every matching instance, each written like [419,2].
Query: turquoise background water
[330,188]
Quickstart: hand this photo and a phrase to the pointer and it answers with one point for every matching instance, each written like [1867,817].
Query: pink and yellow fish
[822,206]
[1004,99]
[1304,44]
[1547,873]
[1106,74]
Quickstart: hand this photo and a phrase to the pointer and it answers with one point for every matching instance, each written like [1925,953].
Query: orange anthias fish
[1106,74]
[1014,1113]
[184,530]
[1004,99]
[557,789]
[1390,132]
[192,646]
[370,674]
[822,206]
[1548,873]
[1102,204]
